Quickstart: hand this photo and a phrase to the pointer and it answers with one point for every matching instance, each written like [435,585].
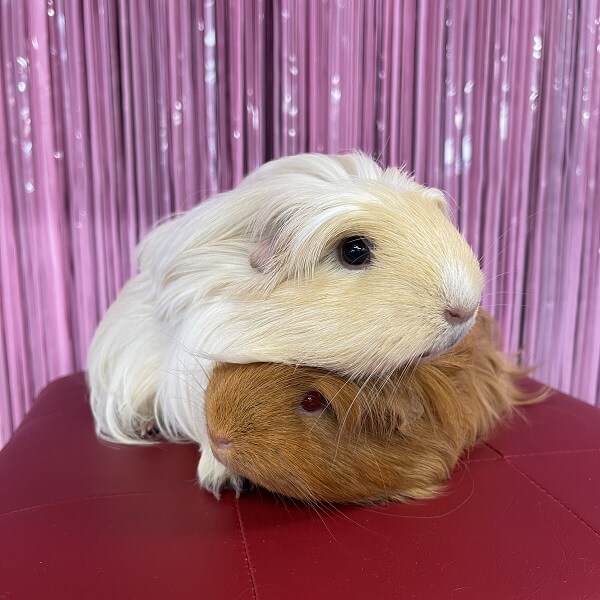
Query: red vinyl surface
[80,518]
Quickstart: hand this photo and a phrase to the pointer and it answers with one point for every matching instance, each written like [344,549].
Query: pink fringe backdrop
[115,113]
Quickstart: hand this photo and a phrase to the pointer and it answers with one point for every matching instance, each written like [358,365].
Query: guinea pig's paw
[149,431]
[215,477]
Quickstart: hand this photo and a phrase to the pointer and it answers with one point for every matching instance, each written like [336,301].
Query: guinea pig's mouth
[439,349]
[228,458]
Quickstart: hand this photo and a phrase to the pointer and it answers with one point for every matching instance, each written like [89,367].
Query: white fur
[253,275]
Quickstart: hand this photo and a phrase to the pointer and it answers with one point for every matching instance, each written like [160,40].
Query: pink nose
[221,443]
[455,315]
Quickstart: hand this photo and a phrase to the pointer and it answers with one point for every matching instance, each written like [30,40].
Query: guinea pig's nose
[220,442]
[455,315]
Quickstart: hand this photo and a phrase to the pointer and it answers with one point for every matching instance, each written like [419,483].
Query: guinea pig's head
[361,269]
[310,435]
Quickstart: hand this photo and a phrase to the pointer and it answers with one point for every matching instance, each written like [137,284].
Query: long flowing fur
[253,275]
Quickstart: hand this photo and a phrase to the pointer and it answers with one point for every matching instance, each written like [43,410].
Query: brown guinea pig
[311,435]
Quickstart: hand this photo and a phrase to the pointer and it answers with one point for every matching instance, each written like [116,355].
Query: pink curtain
[115,113]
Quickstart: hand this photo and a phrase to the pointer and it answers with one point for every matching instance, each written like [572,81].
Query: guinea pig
[324,261]
[312,435]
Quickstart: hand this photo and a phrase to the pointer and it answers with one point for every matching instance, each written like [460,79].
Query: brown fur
[375,441]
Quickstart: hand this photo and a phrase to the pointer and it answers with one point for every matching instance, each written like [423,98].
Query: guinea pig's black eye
[355,252]
[313,401]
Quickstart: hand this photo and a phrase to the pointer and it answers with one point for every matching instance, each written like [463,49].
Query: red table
[80,518]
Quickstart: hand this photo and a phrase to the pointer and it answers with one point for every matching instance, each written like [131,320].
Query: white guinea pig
[324,261]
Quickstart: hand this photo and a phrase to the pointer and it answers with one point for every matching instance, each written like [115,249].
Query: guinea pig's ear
[440,199]
[270,256]
[262,254]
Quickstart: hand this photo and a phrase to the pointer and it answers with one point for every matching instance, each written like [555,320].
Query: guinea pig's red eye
[313,401]
[355,252]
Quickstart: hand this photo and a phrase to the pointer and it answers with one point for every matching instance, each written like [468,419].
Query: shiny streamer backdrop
[115,114]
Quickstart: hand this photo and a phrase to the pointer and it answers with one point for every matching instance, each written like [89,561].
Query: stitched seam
[64,501]
[495,450]
[547,493]
[245,547]
[552,452]
[507,460]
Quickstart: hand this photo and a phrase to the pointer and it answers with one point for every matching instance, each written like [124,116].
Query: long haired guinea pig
[309,434]
[325,261]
